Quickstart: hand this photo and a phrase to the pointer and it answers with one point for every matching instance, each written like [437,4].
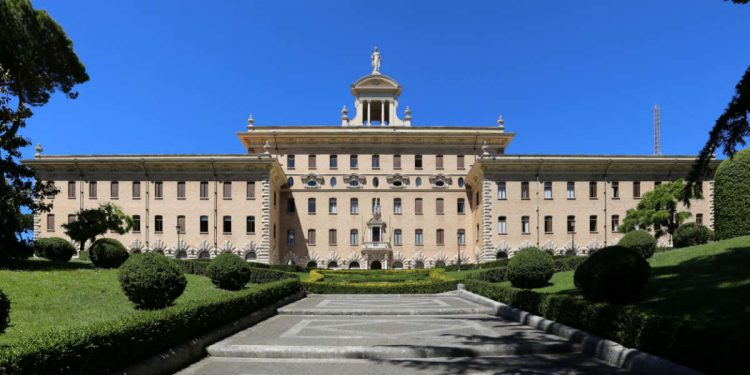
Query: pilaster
[265,221]
[488,252]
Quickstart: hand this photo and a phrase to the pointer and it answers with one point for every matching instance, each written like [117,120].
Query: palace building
[371,192]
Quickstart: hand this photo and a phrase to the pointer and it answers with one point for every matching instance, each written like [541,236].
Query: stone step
[414,311]
[384,305]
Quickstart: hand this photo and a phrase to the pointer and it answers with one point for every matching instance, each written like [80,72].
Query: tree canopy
[94,222]
[657,210]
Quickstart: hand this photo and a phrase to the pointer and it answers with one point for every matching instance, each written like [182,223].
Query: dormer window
[397,181]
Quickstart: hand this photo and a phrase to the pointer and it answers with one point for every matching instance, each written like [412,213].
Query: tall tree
[657,210]
[92,223]
[36,60]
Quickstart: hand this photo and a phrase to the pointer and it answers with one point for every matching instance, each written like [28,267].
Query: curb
[366,312]
[602,349]
[189,352]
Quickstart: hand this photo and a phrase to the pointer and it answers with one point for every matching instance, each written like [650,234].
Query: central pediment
[376,83]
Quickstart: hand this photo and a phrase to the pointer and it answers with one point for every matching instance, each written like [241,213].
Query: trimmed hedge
[4,312]
[732,196]
[410,287]
[151,281]
[641,241]
[567,263]
[682,341]
[228,271]
[530,268]
[108,253]
[54,248]
[691,234]
[259,272]
[193,266]
[492,275]
[104,347]
[474,266]
[614,274]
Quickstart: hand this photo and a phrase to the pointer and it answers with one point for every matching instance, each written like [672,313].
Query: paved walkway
[386,334]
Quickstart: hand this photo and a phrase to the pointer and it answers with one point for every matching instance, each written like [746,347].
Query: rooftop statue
[375,59]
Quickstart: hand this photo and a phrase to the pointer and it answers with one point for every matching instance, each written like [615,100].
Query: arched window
[376,265]
[501,255]
[333,264]
[353,265]
[398,265]
[182,254]
[440,264]
[204,255]
[419,265]
[312,264]
[251,256]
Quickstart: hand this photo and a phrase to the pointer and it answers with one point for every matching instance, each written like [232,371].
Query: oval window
[312,183]
[354,183]
[460,182]
[398,183]
[290,182]
[439,183]
[333,181]
[375,182]
[418,182]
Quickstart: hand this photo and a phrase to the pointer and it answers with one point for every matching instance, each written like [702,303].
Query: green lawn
[44,295]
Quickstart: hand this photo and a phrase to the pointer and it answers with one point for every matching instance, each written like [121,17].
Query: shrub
[732,196]
[229,271]
[567,263]
[104,347]
[54,248]
[151,281]
[108,253]
[193,266]
[4,311]
[614,274]
[691,234]
[530,268]
[492,275]
[641,241]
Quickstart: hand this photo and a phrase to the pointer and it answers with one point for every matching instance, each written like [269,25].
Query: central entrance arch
[376,265]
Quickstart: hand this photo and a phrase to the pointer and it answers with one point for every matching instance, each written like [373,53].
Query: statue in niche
[375,60]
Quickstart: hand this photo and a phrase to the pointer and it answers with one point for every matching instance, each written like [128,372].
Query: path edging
[189,352]
[606,350]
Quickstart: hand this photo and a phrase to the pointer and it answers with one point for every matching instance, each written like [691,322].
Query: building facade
[372,192]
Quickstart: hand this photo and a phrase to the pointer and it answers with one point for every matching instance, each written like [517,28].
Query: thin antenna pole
[657,130]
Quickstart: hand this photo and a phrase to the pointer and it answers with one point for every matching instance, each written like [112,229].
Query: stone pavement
[387,334]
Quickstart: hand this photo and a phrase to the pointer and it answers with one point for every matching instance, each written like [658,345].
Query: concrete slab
[320,336]
[384,305]
[572,363]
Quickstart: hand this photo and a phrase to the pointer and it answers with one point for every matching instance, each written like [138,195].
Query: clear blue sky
[568,76]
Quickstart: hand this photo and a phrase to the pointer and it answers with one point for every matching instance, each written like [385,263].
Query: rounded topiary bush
[691,234]
[54,248]
[229,271]
[530,268]
[732,196]
[613,274]
[108,253]
[4,311]
[151,281]
[641,241]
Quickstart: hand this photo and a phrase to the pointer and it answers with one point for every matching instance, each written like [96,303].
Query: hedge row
[567,263]
[261,273]
[475,266]
[493,275]
[108,346]
[679,340]
[409,287]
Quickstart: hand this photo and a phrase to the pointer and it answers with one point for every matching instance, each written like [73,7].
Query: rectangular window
[592,190]
[397,206]
[290,161]
[227,224]
[92,189]
[460,162]
[418,161]
[375,203]
[158,224]
[571,192]
[376,162]
[593,224]
[227,190]
[331,205]
[312,162]
[290,208]
[502,225]
[548,224]
[72,218]
[181,190]
[699,219]
[250,193]
[114,190]
[136,190]
[353,237]
[461,206]
[290,237]
[571,224]
[158,190]
[418,206]
[440,237]
[311,205]
[548,190]
[525,228]
[136,223]
[332,236]
[311,236]
[71,190]
[418,237]
[181,224]
[501,191]
[353,162]
[397,237]
[615,190]
[636,189]
[396,161]
[333,161]
[615,223]
[524,190]
[354,206]
[439,161]
[250,225]
[204,224]
[439,206]
[461,237]
[204,190]
[50,223]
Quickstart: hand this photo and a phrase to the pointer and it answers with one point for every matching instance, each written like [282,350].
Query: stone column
[369,112]
[263,250]
[382,113]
